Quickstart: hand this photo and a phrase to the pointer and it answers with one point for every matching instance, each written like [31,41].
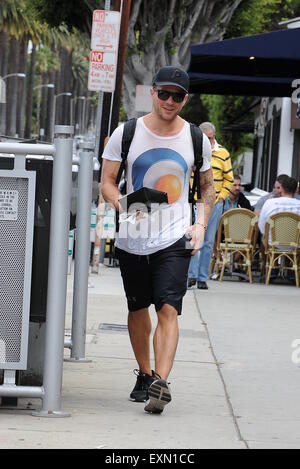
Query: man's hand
[196,234]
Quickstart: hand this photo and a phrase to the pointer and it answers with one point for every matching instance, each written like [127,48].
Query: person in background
[223,180]
[274,194]
[236,197]
[286,202]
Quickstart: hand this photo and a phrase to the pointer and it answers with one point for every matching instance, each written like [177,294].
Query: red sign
[102,73]
[96,56]
[105,30]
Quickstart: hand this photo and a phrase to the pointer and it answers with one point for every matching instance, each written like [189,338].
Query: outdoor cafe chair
[281,240]
[239,238]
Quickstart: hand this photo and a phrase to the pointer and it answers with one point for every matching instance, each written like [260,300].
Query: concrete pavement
[234,384]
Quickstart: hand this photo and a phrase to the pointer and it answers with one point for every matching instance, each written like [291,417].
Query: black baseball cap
[172,76]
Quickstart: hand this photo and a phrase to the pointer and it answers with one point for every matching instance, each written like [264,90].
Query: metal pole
[83,118]
[260,150]
[57,275]
[99,123]
[82,256]
[53,115]
[110,113]
[72,111]
[100,106]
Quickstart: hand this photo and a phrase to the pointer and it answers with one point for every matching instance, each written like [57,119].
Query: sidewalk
[233,382]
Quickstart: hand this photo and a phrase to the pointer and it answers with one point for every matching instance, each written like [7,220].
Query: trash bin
[33,376]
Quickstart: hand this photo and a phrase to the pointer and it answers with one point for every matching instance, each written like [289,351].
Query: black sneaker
[202,286]
[159,396]
[140,390]
[191,282]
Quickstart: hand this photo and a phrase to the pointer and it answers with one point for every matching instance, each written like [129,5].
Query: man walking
[223,179]
[154,267]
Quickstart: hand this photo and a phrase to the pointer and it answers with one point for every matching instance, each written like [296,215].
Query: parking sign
[102,73]
[104,54]
[105,31]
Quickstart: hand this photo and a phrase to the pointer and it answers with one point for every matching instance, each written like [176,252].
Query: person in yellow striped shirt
[223,178]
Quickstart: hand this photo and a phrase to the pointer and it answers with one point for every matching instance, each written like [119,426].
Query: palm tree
[46,61]
[18,23]
[3,72]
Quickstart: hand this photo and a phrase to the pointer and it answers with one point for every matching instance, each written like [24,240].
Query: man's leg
[165,340]
[165,344]
[169,280]
[139,326]
[208,245]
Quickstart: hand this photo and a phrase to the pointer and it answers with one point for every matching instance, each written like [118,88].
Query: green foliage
[251,17]
[46,60]
[258,16]
[122,114]
[17,18]
[223,110]
[75,13]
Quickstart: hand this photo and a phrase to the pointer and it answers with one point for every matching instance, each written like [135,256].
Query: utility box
[25,241]
[42,169]
[17,204]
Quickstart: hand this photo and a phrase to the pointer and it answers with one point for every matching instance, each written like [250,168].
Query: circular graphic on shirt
[162,169]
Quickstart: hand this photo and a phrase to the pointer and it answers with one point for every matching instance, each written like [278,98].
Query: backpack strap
[197,138]
[128,134]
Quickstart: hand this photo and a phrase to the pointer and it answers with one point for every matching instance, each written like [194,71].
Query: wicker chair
[240,235]
[284,231]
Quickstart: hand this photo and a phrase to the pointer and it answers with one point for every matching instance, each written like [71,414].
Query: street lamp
[20,75]
[3,85]
[54,105]
[73,113]
[39,87]
[49,85]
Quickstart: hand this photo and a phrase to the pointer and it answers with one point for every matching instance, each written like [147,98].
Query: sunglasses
[164,95]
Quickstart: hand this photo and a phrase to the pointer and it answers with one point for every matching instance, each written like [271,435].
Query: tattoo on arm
[208,194]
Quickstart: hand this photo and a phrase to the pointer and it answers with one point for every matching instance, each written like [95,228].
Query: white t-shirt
[273,206]
[161,163]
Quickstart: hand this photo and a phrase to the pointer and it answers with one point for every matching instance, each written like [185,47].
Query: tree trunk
[50,109]
[67,88]
[38,105]
[165,39]
[121,61]
[30,93]
[22,90]
[43,114]
[60,99]
[3,72]
[12,88]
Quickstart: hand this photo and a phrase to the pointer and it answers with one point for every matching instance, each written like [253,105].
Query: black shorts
[160,278]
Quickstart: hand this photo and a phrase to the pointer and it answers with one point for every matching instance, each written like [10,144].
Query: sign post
[103,67]
[104,54]
[102,72]
[105,30]
[102,75]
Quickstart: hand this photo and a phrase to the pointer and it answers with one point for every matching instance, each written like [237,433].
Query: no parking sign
[104,54]
[102,72]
